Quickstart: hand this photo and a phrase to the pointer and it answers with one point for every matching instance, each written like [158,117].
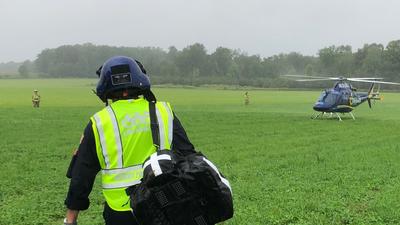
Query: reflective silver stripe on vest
[170,122]
[117,136]
[102,140]
[121,185]
[122,170]
[123,177]
[161,129]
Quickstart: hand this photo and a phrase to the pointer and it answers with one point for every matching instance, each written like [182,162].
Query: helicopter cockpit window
[322,96]
[328,98]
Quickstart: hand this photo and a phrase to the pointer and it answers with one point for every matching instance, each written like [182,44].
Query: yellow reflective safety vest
[123,139]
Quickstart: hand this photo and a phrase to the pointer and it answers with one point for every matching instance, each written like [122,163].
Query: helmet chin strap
[102,99]
[149,96]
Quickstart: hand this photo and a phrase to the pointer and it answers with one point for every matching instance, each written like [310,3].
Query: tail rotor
[373,95]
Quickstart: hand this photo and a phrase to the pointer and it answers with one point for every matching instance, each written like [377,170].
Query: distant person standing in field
[246,98]
[35,99]
[118,139]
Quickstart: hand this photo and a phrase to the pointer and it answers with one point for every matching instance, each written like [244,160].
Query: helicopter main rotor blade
[366,78]
[372,81]
[317,79]
[310,77]
[356,79]
[337,78]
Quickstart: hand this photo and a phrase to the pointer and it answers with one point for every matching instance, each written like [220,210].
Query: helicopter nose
[319,107]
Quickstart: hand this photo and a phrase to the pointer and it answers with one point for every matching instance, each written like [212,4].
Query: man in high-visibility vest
[35,99]
[246,98]
[118,139]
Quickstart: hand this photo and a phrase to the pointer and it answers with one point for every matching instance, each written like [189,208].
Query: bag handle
[154,125]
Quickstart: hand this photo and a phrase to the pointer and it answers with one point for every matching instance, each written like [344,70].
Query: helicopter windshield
[322,96]
[328,98]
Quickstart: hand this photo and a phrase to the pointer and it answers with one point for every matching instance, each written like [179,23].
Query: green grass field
[284,167]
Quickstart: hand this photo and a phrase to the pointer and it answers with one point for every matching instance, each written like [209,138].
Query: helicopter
[343,97]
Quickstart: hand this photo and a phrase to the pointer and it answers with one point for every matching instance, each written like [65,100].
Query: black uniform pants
[112,217]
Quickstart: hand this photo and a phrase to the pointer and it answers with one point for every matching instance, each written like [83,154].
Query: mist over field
[263,27]
[203,42]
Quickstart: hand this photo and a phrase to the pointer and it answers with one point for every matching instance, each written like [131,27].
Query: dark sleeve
[180,140]
[83,172]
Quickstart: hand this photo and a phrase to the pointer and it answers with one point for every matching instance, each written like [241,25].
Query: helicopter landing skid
[321,115]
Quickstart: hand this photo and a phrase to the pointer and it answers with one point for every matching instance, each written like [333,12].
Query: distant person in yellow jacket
[35,99]
[246,98]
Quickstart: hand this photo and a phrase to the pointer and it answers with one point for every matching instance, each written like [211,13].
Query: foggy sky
[264,27]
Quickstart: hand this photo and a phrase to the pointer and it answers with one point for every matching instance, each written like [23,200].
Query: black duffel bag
[179,189]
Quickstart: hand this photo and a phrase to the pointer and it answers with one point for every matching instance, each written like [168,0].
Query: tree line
[9,67]
[193,65]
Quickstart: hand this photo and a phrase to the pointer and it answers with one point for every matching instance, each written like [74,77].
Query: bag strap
[154,125]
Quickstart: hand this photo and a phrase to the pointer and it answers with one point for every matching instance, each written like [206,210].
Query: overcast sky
[264,27]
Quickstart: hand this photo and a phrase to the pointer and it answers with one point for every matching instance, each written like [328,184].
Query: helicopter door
[344,99]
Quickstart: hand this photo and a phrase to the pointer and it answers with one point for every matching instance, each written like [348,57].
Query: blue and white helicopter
[343,97]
